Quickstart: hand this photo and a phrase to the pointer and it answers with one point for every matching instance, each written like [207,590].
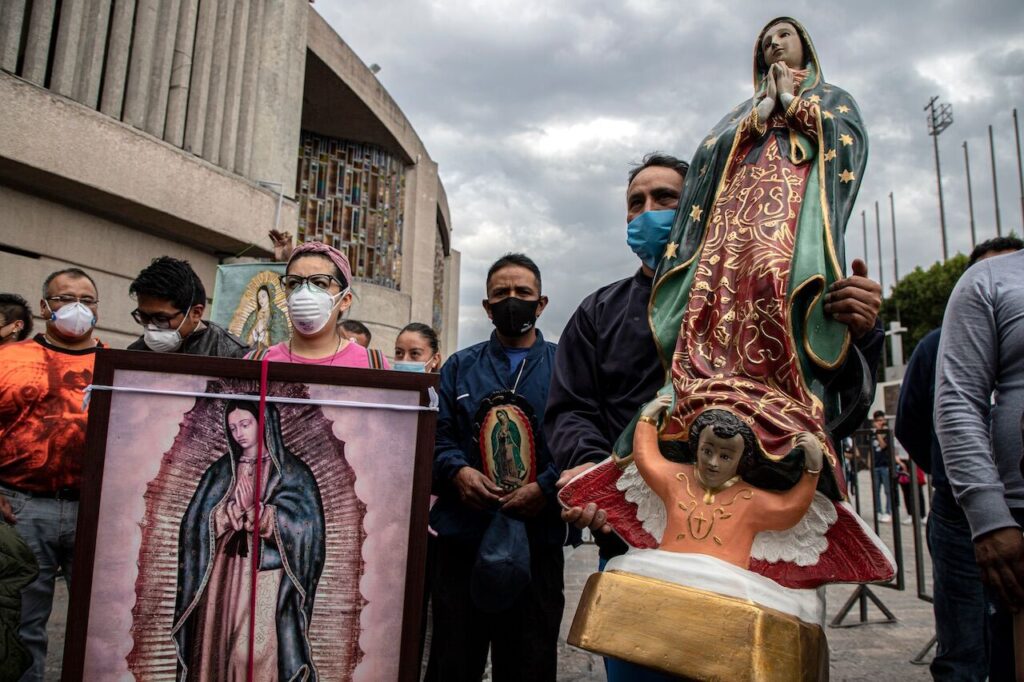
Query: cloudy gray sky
[534,111]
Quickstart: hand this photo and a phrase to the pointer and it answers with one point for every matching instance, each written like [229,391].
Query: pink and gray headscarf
[321,249]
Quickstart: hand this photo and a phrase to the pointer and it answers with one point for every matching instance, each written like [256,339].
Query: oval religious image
[507,447]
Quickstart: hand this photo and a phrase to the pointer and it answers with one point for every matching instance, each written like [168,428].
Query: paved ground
[872,652]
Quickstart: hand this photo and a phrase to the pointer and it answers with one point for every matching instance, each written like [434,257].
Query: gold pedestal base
[694,634]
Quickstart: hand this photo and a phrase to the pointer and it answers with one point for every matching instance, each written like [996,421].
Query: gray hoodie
[979,391]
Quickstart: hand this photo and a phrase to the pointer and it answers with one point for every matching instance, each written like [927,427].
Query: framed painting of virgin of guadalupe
[241,527]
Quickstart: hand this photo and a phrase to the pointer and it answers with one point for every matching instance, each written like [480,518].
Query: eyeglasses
[293,282]
[158,320]
[65,299]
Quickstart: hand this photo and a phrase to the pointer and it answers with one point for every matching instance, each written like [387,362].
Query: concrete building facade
[133,129]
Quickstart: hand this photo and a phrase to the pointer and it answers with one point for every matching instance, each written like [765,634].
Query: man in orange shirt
[42,441]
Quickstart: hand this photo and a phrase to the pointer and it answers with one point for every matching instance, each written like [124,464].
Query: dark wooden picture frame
[110,362]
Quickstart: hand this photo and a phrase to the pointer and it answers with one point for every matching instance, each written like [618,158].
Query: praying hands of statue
[855,300]
[783,77]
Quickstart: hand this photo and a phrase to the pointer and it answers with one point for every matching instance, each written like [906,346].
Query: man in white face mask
[171,301]
[42,441]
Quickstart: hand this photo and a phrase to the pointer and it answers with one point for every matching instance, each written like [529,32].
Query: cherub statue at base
[710,508]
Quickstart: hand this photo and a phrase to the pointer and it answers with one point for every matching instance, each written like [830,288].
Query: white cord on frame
[432,407]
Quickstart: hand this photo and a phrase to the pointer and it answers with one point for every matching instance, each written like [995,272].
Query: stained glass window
[438,322]
[351,196]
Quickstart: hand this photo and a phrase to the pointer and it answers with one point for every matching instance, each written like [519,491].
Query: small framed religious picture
[505,423]
[250,303]
[248,521]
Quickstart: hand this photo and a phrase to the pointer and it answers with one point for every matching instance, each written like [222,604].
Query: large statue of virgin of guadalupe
[738,301]
[212,611]
[737,490]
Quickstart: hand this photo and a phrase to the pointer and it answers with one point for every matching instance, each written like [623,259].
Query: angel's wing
[600,485]
[802,544]
[650,510]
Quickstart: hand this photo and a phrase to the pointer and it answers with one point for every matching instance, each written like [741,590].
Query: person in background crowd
[850,466]
[497,582]
[170,302]
[358,332]
[958,594]
[607,363]
[317,281]
[903,478]
[18,569]
[982,350]
[417,349]
[42,441]
[881,477]
[15,319]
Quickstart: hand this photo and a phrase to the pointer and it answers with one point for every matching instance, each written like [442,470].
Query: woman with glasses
[317,282]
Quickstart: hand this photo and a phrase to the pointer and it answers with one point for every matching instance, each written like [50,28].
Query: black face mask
[513,316]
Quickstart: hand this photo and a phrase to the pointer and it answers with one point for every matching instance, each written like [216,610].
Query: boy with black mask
[497,580]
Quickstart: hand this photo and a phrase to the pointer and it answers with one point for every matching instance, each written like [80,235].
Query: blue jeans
[959,599]
[48,527]
[621,671]
[882,478]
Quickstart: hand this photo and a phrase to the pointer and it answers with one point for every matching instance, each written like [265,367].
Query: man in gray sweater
[979,398]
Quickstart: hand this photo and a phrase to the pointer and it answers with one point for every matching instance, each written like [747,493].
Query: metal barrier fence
[902,477]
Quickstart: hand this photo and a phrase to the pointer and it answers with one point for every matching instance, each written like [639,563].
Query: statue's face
[781,43]
[718,458]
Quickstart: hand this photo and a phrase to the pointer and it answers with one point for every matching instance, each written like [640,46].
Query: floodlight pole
[878,236]
[995,182]
[864,228]
[895,250]
[970,196]
[1020,169]
[938,120]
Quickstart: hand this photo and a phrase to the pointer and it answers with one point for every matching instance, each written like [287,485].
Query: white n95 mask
[74,319]
[310,308]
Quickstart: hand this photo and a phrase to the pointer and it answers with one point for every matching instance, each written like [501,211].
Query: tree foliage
[919,299]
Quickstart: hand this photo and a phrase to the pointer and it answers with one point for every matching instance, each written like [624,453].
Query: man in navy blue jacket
[492,466]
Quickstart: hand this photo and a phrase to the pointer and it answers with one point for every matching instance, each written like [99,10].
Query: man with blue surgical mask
[607,364]
[42,442]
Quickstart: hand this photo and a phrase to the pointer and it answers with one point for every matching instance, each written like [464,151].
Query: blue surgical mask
[647,235]
[406,366]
